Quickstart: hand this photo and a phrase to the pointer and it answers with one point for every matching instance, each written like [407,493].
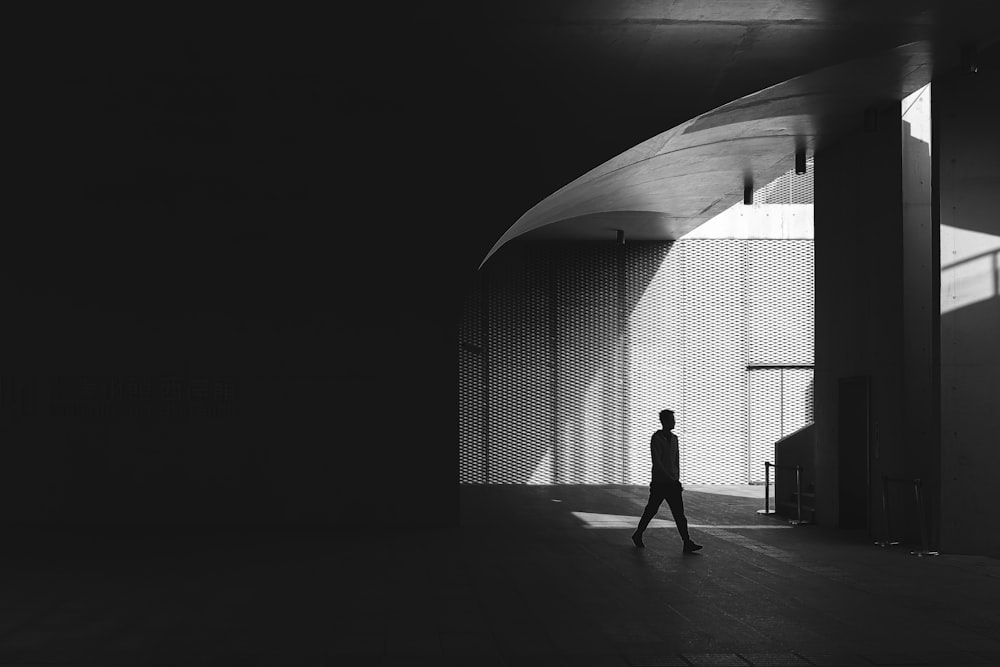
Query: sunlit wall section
[656,350]
[797,400]
[780,297]
[780,402]
[712,427]
[780,302]
[764,418]
[589,364]
[970,267]
[577,347]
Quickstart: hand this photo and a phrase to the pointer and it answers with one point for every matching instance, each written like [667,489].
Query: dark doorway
[853,447]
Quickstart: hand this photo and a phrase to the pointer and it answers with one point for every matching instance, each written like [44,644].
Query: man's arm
[657,447]
[674,471]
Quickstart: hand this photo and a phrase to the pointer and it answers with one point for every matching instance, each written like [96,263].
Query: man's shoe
[691,547]
[637,540]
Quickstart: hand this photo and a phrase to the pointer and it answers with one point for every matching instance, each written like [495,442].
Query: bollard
[767,490]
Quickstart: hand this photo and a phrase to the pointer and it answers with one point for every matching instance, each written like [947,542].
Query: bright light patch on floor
[591,520]
[735,490]
[596,520]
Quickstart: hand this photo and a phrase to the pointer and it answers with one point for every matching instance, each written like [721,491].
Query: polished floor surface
[539,575]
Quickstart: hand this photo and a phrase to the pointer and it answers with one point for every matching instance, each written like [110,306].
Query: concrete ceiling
[254,148]
[670,184]
[706,95]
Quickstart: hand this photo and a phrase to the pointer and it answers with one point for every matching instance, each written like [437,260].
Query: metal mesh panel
[780,403]
[520,383]
[780,302]
[712,428]
[764,418]
[583,357]
[589,366]
[797,399]
[789,188]
[654,295]
[471,351]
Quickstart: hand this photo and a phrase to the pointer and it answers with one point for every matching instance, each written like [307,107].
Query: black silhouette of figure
[665,485]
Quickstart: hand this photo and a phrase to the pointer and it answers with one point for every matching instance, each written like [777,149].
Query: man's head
[667,419]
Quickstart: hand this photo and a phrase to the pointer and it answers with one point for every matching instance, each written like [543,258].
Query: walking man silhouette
[666,484]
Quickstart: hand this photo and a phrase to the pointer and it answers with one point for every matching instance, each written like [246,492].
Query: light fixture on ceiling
[800,161]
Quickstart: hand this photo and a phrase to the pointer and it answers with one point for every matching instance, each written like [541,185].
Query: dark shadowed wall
[906,296]
[258,208]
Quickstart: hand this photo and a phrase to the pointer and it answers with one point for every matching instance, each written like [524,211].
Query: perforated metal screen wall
[471,391]
[791,188]
[568,352]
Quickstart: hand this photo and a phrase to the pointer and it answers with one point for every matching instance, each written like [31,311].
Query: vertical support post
[798,495]
[767,489]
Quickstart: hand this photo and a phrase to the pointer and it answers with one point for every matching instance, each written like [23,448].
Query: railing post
[798,492]
[798,496]
[767,489]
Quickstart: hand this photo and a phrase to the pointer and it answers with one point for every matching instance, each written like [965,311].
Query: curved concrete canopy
[666,186]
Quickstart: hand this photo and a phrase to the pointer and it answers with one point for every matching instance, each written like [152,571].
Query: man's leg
[652,506]
[676,502]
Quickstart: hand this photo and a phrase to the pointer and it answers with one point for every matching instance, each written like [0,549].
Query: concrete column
[858,220]
[967,140]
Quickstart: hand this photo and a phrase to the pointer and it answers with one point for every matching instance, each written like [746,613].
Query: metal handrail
[917,486]
[798,491]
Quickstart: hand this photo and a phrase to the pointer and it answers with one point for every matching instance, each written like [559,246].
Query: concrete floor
[534,576]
